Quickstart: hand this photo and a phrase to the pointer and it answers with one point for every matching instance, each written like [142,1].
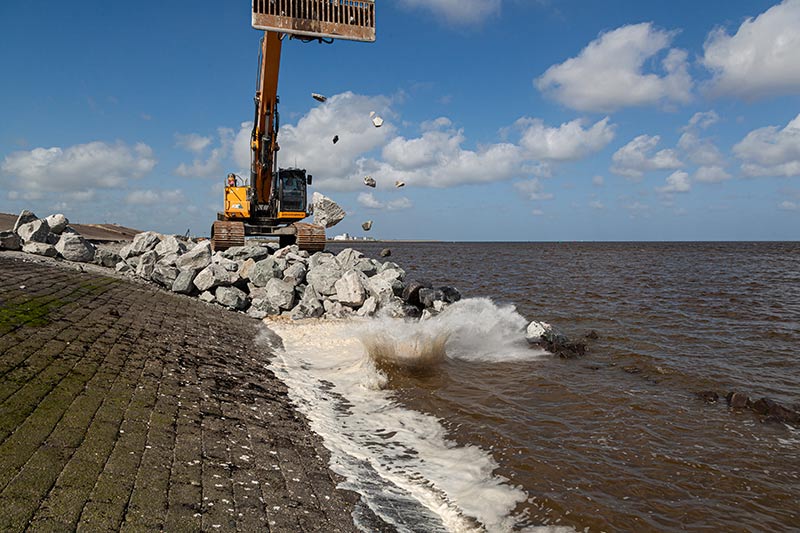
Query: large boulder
[105,257]
[36,231]
[350,289]
[165,275]
[195,259]
[142,243]
[348,258]
[213,276]
[310,306]
[231,297]
[369,308]
[170,245]
[295,274]
[381,290]
[10,241]
[265,270]
[184,282]
[147,264]
[280,294]
[58,223]
[40,248]
[75,248]
[411,292]
[327,213]
[427,297]
[243,253]
[323,278]
[24,217]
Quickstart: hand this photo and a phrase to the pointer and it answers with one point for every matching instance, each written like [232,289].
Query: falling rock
[106,258]
[164,275]
[36,231]
[243,253]
[370,181]
[399,184]
[231,297]
[213,276]
[170,245]
[327,213]
[366,226]
[350,289]
[323,277]
[184,282]
[377,121]
[335,139]
[147,264]
[40,248]
[57,223]
[386,252]
[24,217]
[195,259]
[280,293]
[265,270]
[10,241]
[319,97]
[75,248]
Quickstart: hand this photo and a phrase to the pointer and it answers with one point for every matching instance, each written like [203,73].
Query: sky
[508,120]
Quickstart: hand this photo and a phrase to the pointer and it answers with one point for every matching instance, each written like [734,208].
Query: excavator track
[310,237]
[226,234]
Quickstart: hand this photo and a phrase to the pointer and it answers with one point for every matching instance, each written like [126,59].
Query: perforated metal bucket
[353,20]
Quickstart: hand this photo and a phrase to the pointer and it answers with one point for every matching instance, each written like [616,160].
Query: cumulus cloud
[212,165]
[368,200]
[568,142]
[787,205]
[634,159]
[596,204]
[154,197]
[533,190]
[78,168]
[462,12]
[771,151]
[761,58]
[711,174]
[598,181]
[677,182]
[192,142]
[609,73]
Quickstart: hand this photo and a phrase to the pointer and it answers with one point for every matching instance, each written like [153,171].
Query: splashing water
[399,460]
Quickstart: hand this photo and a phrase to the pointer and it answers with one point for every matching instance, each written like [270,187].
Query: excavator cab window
[293,190]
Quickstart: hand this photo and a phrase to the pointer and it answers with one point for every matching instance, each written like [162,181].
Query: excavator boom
[353,20]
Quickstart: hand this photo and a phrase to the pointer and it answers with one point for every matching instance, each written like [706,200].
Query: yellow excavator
[276,199]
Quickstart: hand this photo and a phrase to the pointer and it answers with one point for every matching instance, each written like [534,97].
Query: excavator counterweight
[353,20]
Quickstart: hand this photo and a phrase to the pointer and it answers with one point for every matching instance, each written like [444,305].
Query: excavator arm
[264,139]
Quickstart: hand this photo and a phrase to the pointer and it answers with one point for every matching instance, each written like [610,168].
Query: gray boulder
[327,213]
[369,308]
[348,258]
[243,253]
[106,258]
[411,292]
[75,248]
[184,282]
[280,294]
[213,276]
[24,217]
[350,289]
[10,241]
[381,290]
[124,268]
[336,309]
[57,223]
[170,245]
[309,307]
[261,307]
[207,297]
[428,296]
[164,275]
[368,266]
[323,278]
[286,251]
[36,231]
[195,259]
[142,243]
[231,297]
[147,264]
[295,274]
[265,270]
[40,248]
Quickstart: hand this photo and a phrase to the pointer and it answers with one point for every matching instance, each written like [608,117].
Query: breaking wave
[399,460]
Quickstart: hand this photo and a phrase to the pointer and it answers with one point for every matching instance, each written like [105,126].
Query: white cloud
[609,73]
[152,197]
[711,174]
[677,182]
[192,142]
[598,181]
[533,190]
[703,120]
[634,159]
[700,151]
[771,151]
[368,200]
[568,142]
[212,165]
[458,11]
[78,167]
[761,58]
[789,206]
[595,204]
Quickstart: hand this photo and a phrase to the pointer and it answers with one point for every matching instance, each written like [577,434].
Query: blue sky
[541,120]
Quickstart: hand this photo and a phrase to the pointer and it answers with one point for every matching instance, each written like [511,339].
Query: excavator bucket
[353,20]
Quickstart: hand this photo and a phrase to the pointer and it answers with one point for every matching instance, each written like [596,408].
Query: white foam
[401,460]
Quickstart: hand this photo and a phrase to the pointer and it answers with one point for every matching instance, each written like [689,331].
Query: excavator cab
[292,193]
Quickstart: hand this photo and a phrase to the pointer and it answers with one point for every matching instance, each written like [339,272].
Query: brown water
[617,440]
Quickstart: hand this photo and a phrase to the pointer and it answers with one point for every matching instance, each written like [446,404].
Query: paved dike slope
[123,407]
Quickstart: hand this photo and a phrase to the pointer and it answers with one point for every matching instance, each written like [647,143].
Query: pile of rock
[49,237]
[265,280]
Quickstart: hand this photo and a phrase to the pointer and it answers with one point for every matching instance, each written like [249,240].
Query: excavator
[275,200]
